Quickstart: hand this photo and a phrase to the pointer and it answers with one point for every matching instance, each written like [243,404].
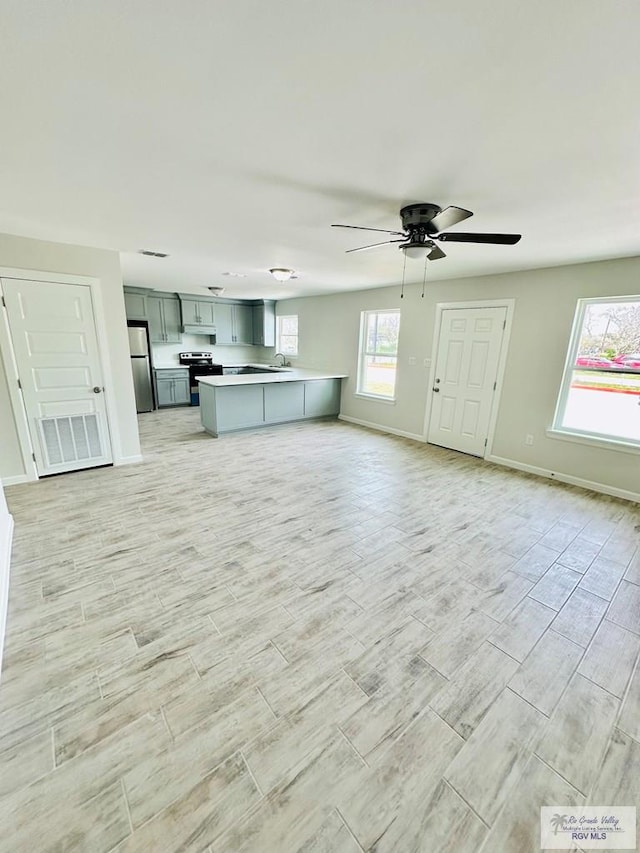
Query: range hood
[198,329]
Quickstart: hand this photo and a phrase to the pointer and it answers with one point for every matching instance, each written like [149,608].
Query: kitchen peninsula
[235,402]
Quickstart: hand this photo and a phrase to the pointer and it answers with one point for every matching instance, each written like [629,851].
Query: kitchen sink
[244,371]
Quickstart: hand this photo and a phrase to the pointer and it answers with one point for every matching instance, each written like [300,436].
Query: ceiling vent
[151,254]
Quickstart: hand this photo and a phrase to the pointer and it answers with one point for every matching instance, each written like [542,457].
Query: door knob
[436,390]
[97,389]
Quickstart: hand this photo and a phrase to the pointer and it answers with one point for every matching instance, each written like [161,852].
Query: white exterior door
[55,344]
[465,376]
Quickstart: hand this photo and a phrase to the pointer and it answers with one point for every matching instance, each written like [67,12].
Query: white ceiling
[232,134]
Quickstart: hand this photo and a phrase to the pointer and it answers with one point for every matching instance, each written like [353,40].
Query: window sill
[390,401]
[594,441]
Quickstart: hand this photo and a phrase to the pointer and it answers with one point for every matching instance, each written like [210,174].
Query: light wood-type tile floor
[313,638]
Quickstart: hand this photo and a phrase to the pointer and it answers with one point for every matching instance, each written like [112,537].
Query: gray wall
[25,254]
[545,302]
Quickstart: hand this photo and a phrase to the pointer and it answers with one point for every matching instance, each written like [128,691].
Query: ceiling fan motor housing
[416,218]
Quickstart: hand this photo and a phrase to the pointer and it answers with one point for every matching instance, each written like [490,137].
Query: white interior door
[55,343]
[465,376]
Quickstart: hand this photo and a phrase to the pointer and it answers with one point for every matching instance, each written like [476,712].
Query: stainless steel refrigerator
[141,368]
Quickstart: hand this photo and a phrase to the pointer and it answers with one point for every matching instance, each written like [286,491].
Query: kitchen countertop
[285,374]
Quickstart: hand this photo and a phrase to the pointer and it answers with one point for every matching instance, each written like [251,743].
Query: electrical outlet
[528,440]
[412,359]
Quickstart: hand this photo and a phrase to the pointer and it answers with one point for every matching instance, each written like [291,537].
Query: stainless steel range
[199,364]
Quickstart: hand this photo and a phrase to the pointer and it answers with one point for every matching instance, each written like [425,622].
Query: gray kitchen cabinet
[283,402]
[172,388]
[224,323]
[242,324]
[234,323]
[321,398]
[264,324]
[164,319]
[225,408]
[199,315]
[135,304]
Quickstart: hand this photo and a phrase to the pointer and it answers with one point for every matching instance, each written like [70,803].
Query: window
[378,359]
[600,395]
[287,335]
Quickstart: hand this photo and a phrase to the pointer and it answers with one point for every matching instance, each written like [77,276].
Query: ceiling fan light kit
[415,250]
[425,222]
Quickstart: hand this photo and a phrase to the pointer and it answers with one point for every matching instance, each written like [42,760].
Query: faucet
[283,357]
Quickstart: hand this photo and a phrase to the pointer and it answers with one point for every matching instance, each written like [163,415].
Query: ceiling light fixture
[281,274]
[216,291]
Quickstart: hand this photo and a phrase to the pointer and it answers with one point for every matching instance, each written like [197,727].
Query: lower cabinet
[322,398]
[225,408]
[172,388]
[284,402]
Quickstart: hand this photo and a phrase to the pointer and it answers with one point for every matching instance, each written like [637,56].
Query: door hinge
[19,384]
[495,385]
[4,304]
[504,324]
[485,441]
[33,456]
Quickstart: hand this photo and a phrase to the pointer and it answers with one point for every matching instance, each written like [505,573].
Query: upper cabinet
[234,323]
[264,324]
[160,310]
[135,303]
[198,316]
[164,319]
[245,323]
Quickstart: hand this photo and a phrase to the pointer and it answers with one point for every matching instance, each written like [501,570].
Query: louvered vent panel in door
[69,439]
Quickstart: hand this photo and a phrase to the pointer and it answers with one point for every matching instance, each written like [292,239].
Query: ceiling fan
[425,222]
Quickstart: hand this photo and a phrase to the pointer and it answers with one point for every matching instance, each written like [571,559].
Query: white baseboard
[381,428]
[128,460]
[566,478]
[17,480]
[5,562]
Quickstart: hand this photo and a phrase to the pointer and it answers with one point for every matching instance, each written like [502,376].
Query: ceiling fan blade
[374,245]
[449,216]
[364,228]
[436,253]
[503,239]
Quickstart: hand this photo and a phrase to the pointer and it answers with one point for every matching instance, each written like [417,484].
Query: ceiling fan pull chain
[404,266]
[424,278]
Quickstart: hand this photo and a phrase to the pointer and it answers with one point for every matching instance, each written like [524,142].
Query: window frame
[279,318]
[363,353]
[556,430]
